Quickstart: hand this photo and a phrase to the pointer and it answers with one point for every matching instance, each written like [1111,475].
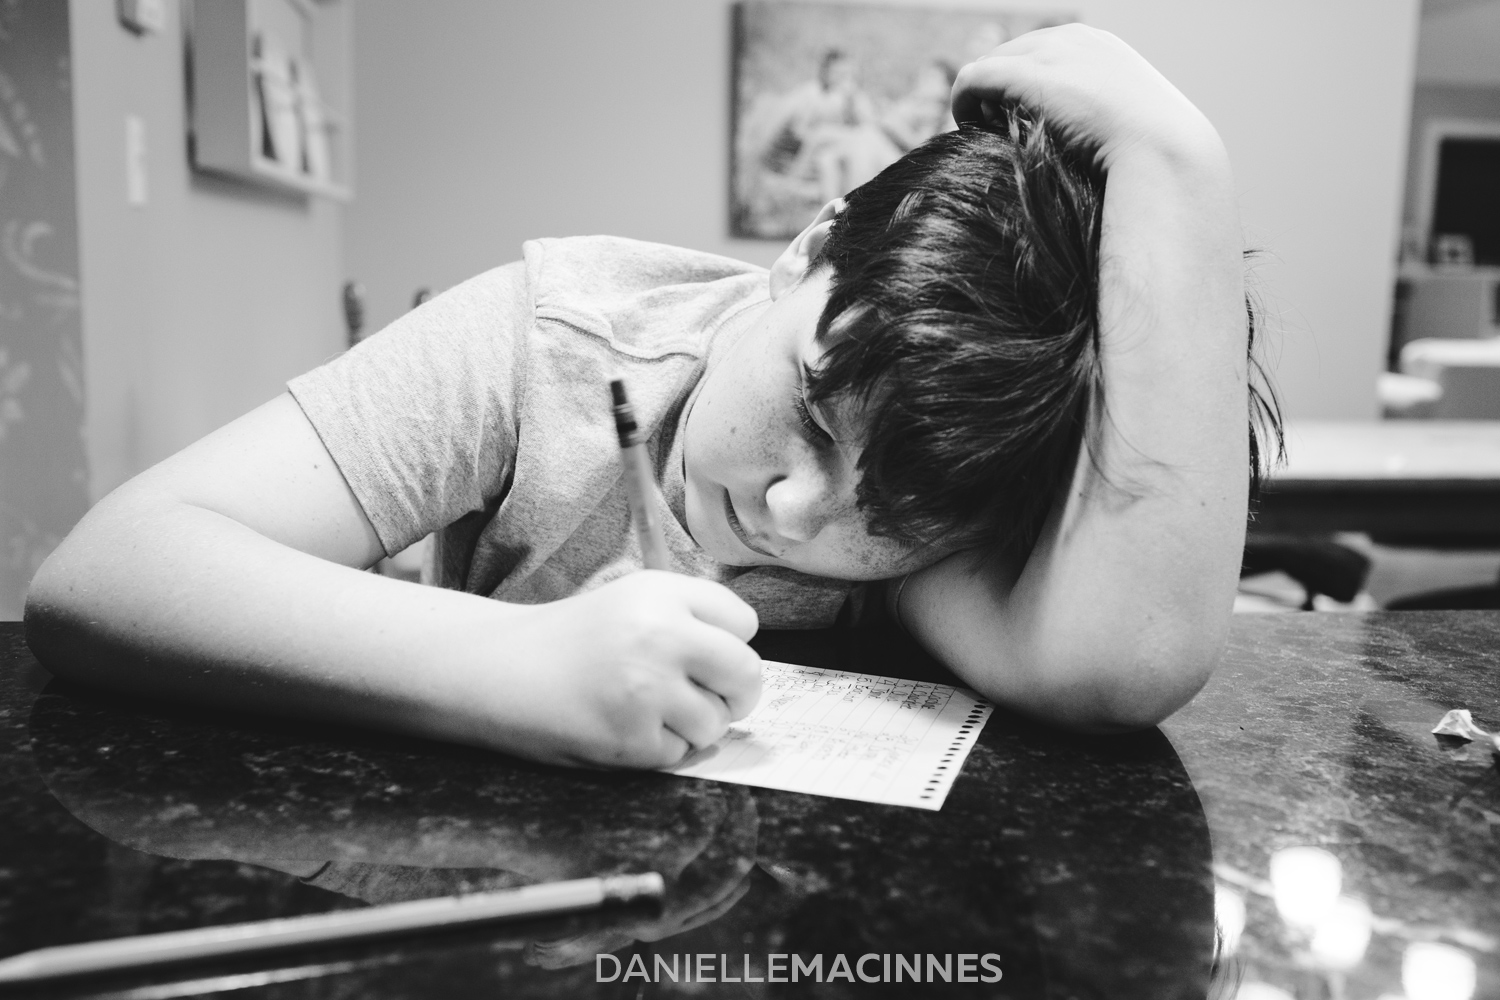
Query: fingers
[721,684]
[710,645]
[698,716]
[700,712]
[673,748]
[725,668]
[658,748]
[992,78]
[722,666]
[667,667]
[714,604]
[1025,68]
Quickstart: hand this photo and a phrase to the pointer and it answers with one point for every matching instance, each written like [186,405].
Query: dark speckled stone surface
[1088,865]
[1317,731]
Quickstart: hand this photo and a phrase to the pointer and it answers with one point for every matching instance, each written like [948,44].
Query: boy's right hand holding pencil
[228,575]
[634,674]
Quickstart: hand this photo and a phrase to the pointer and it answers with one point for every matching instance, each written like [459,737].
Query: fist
[634,674]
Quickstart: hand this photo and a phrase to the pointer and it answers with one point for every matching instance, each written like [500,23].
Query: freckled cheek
[853,552]
[757,436]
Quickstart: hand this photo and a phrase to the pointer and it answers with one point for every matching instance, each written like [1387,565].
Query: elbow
[47,596]
[1138,692]
[1113,691]
[52,602]
[64,613]
[1144,703]
[1137,678]
[50,587]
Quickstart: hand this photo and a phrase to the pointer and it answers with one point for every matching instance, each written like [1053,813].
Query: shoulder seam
[660,351]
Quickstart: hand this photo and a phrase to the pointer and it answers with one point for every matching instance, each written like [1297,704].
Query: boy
[901,399]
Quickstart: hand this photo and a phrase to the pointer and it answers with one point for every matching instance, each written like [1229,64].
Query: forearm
[162,598]
[1120,611]
[1148,542]
[158,596]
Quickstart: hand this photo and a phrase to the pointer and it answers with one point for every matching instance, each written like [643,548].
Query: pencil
[638,481]
[322,928]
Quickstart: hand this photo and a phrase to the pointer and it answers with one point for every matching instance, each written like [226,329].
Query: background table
[1434,480]
[1090,865]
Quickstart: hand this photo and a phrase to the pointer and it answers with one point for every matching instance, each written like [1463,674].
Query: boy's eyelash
[809,425]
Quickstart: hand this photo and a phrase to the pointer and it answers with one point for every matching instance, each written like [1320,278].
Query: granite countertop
[1092,866]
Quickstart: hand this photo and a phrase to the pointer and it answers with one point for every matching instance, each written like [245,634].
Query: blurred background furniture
[1446,316]
[1464,374]
[1415,481]
[1319,566]
[1423,496]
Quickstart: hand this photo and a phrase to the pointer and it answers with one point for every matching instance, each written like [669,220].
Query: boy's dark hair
[963,319]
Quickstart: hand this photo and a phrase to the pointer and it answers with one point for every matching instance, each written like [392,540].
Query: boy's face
[765,488]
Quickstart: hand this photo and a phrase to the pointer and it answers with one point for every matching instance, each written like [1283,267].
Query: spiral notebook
[848,736]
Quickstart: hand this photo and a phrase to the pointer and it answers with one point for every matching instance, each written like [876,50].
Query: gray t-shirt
[484,415]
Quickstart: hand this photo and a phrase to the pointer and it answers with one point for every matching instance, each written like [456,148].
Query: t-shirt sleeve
[421,417]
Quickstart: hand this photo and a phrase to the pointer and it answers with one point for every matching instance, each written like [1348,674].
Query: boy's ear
[794,260]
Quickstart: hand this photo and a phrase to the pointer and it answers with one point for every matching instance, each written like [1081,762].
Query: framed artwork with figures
[827,94]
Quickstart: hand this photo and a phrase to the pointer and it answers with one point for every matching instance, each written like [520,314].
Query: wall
[43,476]
[1312,100]
[200,304]
[1457,43]
[485,124]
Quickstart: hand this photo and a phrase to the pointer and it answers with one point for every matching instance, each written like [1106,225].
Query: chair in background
[1319,565]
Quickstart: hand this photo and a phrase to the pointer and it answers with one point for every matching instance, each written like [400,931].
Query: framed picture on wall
[828,94]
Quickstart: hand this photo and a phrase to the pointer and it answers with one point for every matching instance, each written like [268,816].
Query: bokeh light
[1340,938]
[1432,971]
[1305,883]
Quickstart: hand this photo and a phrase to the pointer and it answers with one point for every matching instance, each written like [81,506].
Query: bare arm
[230,575]
[1121,612]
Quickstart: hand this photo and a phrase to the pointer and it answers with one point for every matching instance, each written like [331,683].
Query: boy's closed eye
[814,431]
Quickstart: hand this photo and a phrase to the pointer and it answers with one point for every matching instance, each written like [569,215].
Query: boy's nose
[799,506]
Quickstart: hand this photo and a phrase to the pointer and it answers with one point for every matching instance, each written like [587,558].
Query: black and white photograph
[750,499]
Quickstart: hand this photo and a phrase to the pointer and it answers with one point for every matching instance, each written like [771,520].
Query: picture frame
[826,94]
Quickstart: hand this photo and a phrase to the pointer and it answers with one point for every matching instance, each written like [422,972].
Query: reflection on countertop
[1301,798]
[1316,733]
[1083,863]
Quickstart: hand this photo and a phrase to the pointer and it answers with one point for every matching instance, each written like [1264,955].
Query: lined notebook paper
[849,736]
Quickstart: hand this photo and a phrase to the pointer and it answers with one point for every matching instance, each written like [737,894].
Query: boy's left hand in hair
[1089,86]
